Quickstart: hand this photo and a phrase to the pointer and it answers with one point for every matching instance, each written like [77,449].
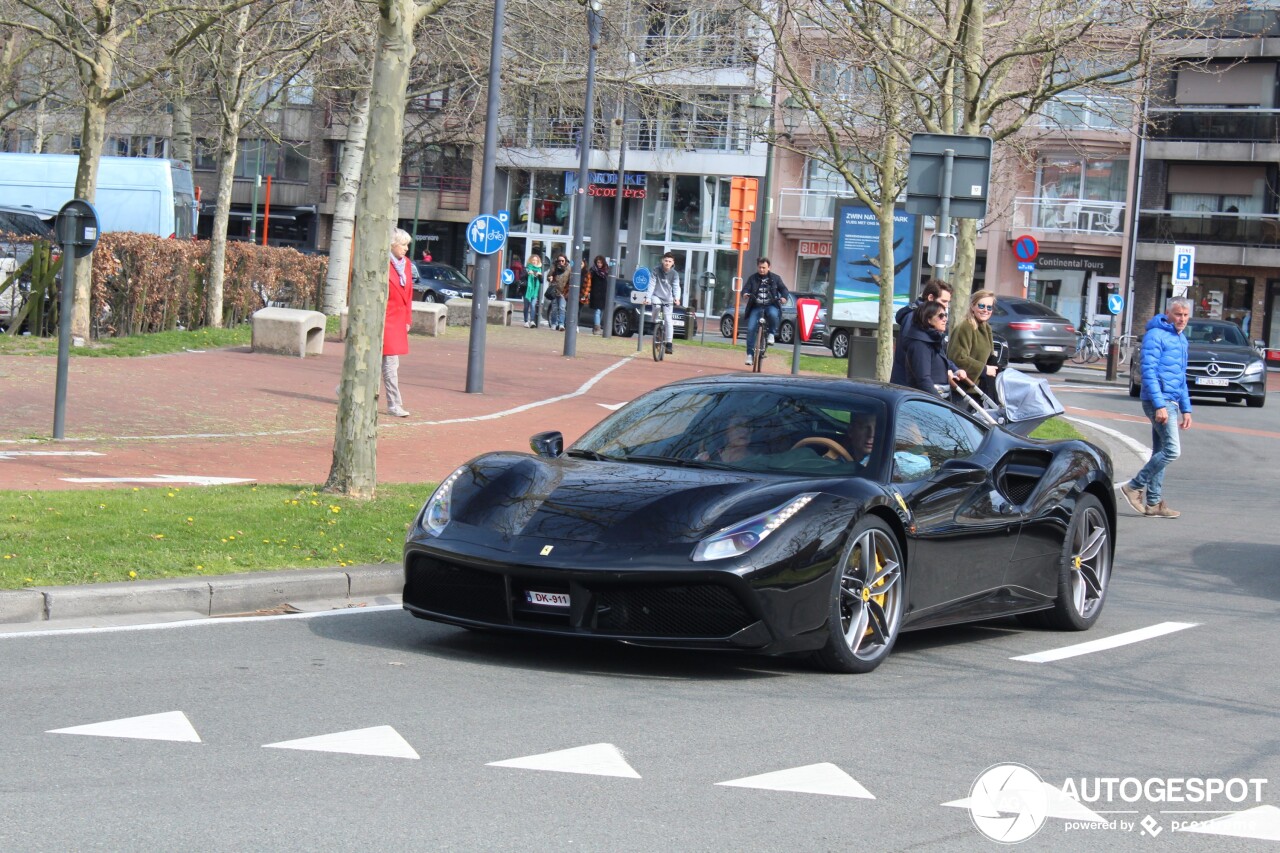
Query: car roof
[882,391]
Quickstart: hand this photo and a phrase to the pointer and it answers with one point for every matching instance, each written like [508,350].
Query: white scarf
[401,266]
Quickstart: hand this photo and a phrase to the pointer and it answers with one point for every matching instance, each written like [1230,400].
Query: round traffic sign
[77,227]
[640,279]
[1115,303]
[486,234]
[1025,248]
[508,276]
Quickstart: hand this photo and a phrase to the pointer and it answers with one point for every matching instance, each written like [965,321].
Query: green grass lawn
[156,343]
[73,537]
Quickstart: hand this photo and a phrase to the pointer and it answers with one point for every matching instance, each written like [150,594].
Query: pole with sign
[1026,248]
[640,296]
[1184,269]
[77,230]
[742,212]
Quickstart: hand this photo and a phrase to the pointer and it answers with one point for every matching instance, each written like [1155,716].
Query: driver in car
[860,437]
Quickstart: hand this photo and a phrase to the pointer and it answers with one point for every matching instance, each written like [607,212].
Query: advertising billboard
[855,263]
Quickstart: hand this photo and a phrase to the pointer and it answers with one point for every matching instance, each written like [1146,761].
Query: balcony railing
[1072,216]
[673,52]
[818,206]
[1244,125]
[550,133]
[1088,113]
[452,192]
[684,135]
[1230,229]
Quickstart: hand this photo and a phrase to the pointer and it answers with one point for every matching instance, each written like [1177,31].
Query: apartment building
[1210,177]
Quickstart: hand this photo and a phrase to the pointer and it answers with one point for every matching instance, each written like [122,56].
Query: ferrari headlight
[742,537]
[436,512]
[1255,368]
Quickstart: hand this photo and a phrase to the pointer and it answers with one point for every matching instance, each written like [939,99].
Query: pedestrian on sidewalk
[557,289]
[1166,403]
[597,284]
[972,342]
[395,329]
[532,289]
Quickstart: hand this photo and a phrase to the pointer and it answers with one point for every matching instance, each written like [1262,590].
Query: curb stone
[215,596]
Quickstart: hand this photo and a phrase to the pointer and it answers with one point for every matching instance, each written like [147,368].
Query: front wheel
[430,296]
[622,323]
[659,340]
[866,600]
[840,343]
[726,326]
[1084,572]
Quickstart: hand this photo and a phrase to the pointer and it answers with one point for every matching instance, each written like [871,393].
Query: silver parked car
[1034,332]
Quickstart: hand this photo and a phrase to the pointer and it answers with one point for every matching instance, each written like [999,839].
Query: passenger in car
[737,442]
[860,437]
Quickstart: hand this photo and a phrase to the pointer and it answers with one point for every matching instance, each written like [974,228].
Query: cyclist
[666,294]
[765,292]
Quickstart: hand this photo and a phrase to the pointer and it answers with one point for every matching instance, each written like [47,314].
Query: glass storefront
[1218,298]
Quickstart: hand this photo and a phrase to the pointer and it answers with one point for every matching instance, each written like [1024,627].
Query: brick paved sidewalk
[235,413]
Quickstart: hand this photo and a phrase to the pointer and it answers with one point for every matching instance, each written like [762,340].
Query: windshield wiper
[674,462]
[590,454]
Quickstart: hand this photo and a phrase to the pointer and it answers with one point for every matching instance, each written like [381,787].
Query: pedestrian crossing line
[1128,637]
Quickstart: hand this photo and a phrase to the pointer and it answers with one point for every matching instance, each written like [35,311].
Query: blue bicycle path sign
[640,279]
[508,276]
[486,234]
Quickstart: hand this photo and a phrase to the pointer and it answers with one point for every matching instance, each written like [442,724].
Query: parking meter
[708,287]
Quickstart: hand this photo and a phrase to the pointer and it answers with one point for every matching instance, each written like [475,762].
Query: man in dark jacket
[1166,402]
[765,292]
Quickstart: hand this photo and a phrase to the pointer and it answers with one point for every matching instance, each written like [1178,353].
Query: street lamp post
[595,22]
[791,112]
[484,268]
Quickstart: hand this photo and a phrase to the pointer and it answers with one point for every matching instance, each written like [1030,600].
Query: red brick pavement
[235,413]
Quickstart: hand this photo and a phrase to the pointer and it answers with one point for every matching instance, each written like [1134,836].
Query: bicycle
[761,342]
[659,333]
[1091,346]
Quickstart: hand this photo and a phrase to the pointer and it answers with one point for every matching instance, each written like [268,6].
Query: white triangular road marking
[382,741]
[822,778]
[1261,822]
[597,759]
[613,407]
[1057,804]
[171,725]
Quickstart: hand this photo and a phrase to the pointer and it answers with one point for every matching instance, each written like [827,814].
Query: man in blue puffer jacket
[1166,402]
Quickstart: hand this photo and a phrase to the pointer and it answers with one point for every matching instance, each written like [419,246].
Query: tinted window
[443,273]
[24,224]
[928,434]
[1215,333]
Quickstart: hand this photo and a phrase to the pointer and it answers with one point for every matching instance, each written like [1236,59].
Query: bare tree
[354,468]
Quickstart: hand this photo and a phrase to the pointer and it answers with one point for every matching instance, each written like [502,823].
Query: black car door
[964,528]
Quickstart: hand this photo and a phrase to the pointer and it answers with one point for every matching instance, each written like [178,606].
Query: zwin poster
[856,263]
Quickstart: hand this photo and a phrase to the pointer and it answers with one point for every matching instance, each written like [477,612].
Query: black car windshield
[810,431]
[442,273]
[1215,332]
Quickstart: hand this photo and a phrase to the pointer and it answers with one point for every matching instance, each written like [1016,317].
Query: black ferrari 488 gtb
[779,515]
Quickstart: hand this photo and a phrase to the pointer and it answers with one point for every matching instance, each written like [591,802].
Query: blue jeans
[773,316]
[530,312]
[1166,446]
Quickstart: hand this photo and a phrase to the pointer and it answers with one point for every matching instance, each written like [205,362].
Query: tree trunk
[354,469]
[92,141]
[183,147]
[216,279]
[344,209]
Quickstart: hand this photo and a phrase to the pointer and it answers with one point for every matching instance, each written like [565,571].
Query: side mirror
[961,471]
[549,444]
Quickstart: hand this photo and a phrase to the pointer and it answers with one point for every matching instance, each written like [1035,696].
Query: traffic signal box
[742,213]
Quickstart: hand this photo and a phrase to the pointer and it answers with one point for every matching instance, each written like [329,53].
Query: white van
[143,194]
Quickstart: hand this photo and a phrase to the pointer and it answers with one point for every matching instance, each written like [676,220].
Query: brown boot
[595,330]
[1162,510]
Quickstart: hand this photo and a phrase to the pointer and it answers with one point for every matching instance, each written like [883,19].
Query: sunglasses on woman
[981,307]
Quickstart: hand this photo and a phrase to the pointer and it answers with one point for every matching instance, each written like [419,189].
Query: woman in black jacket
[924,363]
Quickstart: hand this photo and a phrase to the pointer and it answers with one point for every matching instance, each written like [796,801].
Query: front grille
[682,610]
[1226,369]
[455,590]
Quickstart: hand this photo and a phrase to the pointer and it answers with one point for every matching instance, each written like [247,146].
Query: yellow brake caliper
[866,590]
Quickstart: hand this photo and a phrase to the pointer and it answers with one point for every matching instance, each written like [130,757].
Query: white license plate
[1053,349]
[1216,381]
[547,599]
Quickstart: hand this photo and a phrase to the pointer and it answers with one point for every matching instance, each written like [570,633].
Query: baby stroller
[1025,401]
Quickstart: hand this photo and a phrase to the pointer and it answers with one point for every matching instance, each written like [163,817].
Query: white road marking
[196,623]
[597,759]
[825,778]
[171,725]
[163,480]
[1261,822]
[613,407]
[1107,642]
[9,454]
[1013,801]
[382,741]
[1133,444]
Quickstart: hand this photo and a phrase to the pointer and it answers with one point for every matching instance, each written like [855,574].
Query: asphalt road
[664,728]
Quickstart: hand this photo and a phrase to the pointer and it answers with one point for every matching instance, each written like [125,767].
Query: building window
[205,157]
[1077,179]
[289,161]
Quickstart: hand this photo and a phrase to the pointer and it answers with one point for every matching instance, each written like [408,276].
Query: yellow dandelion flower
[169,495]
[132,573]
[199,568]
[190,519]
[231,537]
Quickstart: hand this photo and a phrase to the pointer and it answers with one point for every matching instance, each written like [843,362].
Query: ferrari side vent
[453,590]
[1019,473]
[684,610]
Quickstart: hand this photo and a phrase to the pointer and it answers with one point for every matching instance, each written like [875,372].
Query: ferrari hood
[606,503]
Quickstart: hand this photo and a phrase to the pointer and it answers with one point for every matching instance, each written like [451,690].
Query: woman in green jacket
[971,343]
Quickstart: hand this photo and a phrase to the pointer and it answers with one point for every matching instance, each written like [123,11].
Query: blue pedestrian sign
[1115,303]
[508,277]
[640,279]
[486,234]
[1026,267]
[1184,265]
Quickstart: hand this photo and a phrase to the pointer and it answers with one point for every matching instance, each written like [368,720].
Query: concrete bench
[429,318]
[498,312]
[288,331]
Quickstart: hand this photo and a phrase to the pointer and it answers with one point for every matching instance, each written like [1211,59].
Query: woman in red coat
[395,332]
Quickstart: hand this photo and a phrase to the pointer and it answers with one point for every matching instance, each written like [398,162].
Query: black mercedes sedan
[1220,363]
[778,515]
